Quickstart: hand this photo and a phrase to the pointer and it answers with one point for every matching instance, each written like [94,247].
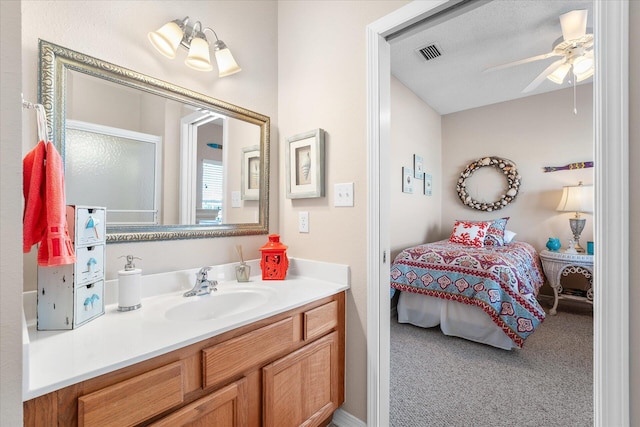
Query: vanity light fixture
[177,33]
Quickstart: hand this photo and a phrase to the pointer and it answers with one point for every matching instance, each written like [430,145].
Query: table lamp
[578,199]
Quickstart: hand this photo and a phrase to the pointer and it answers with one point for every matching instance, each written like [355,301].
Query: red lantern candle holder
[274,262]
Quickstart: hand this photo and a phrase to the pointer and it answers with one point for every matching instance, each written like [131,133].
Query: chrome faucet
[203,285]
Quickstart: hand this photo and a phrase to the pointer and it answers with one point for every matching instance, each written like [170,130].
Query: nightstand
[560,264]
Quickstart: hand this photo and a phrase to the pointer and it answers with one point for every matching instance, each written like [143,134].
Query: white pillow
[508,236]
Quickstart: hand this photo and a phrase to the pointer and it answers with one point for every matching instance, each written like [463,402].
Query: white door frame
[188,162]
[611,142]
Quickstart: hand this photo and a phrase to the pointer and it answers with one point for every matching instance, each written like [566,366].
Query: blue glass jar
[553,244]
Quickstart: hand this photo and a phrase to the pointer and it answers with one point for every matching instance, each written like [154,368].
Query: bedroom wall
[415,129]
[533,132]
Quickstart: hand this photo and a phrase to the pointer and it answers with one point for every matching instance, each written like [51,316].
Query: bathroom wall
[117,33]
[634,209]
[322,84]
[10,216]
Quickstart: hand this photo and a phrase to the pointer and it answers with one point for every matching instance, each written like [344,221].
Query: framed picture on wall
[407,180]
[304,155]
[250,170]
[427,184]
[418,166]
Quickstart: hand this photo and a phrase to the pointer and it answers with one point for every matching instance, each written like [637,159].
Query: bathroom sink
[223,303]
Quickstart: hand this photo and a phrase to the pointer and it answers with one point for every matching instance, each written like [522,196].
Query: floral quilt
[502,280]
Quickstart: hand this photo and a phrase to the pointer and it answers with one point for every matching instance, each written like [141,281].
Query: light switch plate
[303,222]
[343,194]
[235,199]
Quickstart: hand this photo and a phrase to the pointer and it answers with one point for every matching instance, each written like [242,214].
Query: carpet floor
[438,380]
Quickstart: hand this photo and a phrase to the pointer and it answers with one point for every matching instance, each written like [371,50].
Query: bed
[485,294]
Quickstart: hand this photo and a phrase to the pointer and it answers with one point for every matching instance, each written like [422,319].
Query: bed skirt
[455,319]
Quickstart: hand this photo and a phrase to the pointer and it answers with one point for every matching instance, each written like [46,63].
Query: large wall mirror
[166,162]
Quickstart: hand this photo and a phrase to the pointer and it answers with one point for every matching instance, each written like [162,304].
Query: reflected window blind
[211,184]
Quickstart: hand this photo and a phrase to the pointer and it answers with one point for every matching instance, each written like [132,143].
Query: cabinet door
[226,407]
[302,389]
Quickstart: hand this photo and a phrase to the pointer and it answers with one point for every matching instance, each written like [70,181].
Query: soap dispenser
[129,293]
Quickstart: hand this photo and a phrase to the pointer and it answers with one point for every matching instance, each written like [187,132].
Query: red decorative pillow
[470,233]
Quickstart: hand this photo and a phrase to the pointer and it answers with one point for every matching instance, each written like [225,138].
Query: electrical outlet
[343,194]
[303,222]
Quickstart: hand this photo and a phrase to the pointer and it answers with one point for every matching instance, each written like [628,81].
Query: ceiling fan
[575,48]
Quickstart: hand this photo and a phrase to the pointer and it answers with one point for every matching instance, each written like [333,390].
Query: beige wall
[415,129]
[322,84]
[634,209]
[533,132]
[10,216]
[119,35]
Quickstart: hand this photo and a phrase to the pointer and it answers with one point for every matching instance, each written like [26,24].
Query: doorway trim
[611,142]
[189,162]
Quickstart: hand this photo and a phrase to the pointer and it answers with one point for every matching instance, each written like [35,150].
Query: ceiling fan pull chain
[575,109]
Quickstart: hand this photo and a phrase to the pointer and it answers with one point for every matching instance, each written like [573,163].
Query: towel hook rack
[41,114]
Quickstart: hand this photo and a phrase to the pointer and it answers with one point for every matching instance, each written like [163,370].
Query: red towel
[45,220]
[34,222]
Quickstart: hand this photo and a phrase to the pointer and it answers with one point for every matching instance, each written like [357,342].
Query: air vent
[430,52]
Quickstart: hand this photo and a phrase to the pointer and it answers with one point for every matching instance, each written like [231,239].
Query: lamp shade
[576,198]
[582,64]
[574,24]
[585,68]
[198,57]
[167,39]
[227,65]
[559,73]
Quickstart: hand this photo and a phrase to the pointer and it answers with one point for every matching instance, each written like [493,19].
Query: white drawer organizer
[71,295]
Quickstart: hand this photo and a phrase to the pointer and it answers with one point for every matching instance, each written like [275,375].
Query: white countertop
[56,359]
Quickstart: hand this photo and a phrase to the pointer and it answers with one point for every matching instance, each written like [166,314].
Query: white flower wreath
[507,167]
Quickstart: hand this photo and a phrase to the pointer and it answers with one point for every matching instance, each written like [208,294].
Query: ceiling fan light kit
[560,73]
[575,47]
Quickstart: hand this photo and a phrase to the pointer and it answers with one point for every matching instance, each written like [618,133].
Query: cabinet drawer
[320,320]
[230,358]
[89,266]
[89,302]
[90,225]
[134,400]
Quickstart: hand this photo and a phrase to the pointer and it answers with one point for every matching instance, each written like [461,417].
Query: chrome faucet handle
[203,285]
[212,286]
[202,273]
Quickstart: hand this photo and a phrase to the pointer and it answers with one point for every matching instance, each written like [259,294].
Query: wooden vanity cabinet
[287,370]
[299,388]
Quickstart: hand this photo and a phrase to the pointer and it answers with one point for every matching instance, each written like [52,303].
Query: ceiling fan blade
[543,75]
[522,61]
[574,24]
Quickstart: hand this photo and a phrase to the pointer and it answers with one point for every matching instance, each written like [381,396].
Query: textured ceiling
[482,34]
